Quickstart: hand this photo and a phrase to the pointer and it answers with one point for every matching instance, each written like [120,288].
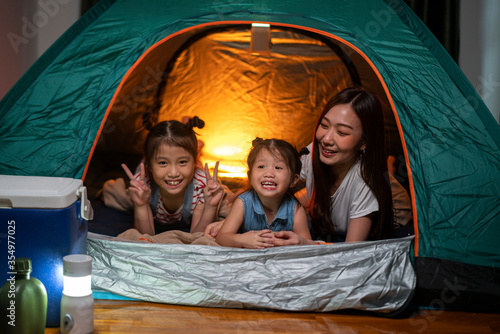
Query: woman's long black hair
[373,166]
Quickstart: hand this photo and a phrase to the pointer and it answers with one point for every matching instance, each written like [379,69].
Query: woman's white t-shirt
[353,199]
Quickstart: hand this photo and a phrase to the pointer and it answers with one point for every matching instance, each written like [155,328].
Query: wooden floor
[112,316]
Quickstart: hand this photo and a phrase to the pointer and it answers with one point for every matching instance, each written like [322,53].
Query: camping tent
[124,64]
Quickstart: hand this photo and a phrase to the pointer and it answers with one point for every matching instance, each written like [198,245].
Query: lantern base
[77,314]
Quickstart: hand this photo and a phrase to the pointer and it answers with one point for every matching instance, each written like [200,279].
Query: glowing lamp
[77,303]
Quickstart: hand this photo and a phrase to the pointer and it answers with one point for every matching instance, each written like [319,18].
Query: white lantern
[77,303]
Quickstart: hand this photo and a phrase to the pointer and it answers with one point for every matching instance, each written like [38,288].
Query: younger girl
[170,191]
[267,207]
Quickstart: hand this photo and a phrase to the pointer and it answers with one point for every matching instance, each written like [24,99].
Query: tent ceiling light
[260,38]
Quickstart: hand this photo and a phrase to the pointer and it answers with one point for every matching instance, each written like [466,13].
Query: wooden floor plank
[112,316]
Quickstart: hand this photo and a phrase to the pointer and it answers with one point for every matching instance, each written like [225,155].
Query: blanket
[169,237]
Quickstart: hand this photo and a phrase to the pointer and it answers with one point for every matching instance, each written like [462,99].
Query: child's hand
[287,238]
[258,239]
[138,190]
[213,229]
[213,192]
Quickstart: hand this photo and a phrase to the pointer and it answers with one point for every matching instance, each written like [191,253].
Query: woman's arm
[359,229]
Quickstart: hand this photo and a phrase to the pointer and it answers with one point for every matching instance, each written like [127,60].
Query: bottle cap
[23,265]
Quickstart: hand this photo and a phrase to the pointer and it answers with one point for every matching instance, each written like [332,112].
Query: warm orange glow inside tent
[238,93]
[212,73]
[242,95]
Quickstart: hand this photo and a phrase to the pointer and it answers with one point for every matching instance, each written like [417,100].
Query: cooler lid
[38,191]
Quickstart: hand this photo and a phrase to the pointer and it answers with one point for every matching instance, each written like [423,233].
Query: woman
[346,173]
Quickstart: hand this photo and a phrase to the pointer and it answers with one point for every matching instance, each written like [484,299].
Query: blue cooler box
[44,219]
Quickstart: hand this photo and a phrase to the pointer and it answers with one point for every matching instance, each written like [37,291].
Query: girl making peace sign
[170,192]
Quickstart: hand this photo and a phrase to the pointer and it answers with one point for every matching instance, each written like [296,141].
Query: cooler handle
[86,210]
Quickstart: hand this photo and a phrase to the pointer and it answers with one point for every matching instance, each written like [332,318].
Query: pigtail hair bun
[196,122]
[303,151]
[257,141]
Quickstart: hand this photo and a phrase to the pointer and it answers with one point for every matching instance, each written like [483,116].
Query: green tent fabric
[52,118]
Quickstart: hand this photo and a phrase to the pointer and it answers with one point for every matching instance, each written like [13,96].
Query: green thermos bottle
[23,301]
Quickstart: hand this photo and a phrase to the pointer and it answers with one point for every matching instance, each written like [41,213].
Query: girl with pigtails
[267,206]
[170,191]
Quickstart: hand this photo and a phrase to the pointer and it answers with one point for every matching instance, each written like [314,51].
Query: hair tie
[303,151]
[257,141]
[196,122]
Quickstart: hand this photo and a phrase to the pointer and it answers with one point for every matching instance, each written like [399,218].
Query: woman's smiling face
[339,137]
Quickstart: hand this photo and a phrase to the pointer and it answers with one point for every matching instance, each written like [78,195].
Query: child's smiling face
[270,176]
[172,168]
